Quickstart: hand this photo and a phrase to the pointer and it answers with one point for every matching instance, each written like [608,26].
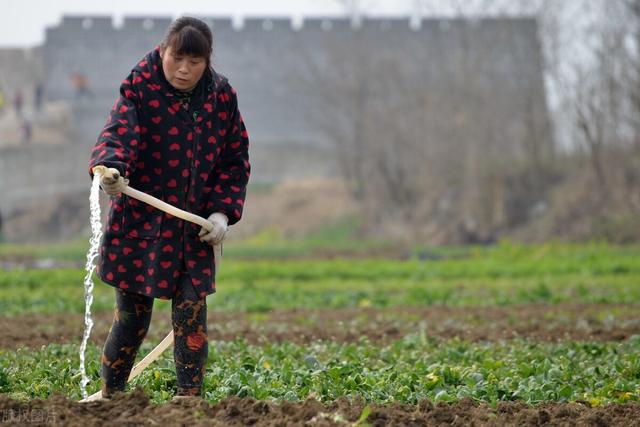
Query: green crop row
[58,291]
[408,370]
[337,239]
[505,274]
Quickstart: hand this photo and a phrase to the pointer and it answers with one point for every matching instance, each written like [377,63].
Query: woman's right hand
[112,182]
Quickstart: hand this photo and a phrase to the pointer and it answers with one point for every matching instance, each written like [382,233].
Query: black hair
[189,36]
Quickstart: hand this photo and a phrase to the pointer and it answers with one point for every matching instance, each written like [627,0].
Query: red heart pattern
[196,165]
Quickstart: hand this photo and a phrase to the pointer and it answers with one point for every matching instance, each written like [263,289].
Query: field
[327,332]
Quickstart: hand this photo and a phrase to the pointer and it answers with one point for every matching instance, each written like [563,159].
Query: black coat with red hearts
[197,162]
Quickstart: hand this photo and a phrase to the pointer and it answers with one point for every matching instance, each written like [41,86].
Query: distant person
[27,131]
[1,101]
[80,84]
[17,103]
[176,133]
[38,95]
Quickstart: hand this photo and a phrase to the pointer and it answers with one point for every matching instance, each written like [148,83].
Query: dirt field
[538,322]
[135,409]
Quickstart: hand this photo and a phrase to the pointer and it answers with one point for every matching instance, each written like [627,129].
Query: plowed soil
[135,409]
[536,322]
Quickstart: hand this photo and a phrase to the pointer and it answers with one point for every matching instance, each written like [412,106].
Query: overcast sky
[22,22]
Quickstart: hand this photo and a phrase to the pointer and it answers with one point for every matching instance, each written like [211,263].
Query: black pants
[130,325]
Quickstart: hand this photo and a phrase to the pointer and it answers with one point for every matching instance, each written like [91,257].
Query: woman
[175,133]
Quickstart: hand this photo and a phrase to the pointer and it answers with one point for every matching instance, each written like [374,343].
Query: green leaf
[366,411]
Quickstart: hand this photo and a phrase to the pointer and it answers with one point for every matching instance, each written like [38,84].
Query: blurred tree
[450,151]
[471,157]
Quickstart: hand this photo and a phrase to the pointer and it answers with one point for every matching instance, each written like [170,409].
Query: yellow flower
[266,365]
[626,396]
[594,401]
[432,378]
[156,375]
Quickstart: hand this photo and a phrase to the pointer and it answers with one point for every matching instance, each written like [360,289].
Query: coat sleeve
[232,170]
[117,145]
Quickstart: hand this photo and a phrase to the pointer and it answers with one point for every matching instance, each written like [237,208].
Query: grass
[75,250]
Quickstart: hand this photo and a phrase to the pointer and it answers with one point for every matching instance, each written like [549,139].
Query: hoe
[159,204]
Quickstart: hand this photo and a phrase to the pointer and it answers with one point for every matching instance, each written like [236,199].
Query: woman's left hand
[219,230]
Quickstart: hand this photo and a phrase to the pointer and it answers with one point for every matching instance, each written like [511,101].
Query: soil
[296,208]
[536,322]
[135,408]
[381,325]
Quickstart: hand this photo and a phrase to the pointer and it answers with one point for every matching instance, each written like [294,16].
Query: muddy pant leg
[131,321]
[190,351]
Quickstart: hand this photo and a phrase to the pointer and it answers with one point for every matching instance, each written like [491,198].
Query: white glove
[219,231]
[113,183]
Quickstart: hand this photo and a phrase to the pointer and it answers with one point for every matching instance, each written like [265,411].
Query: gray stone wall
[260,61]
[20,69]
[28,173]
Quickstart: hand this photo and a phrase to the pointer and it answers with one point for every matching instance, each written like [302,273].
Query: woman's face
[182,71]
